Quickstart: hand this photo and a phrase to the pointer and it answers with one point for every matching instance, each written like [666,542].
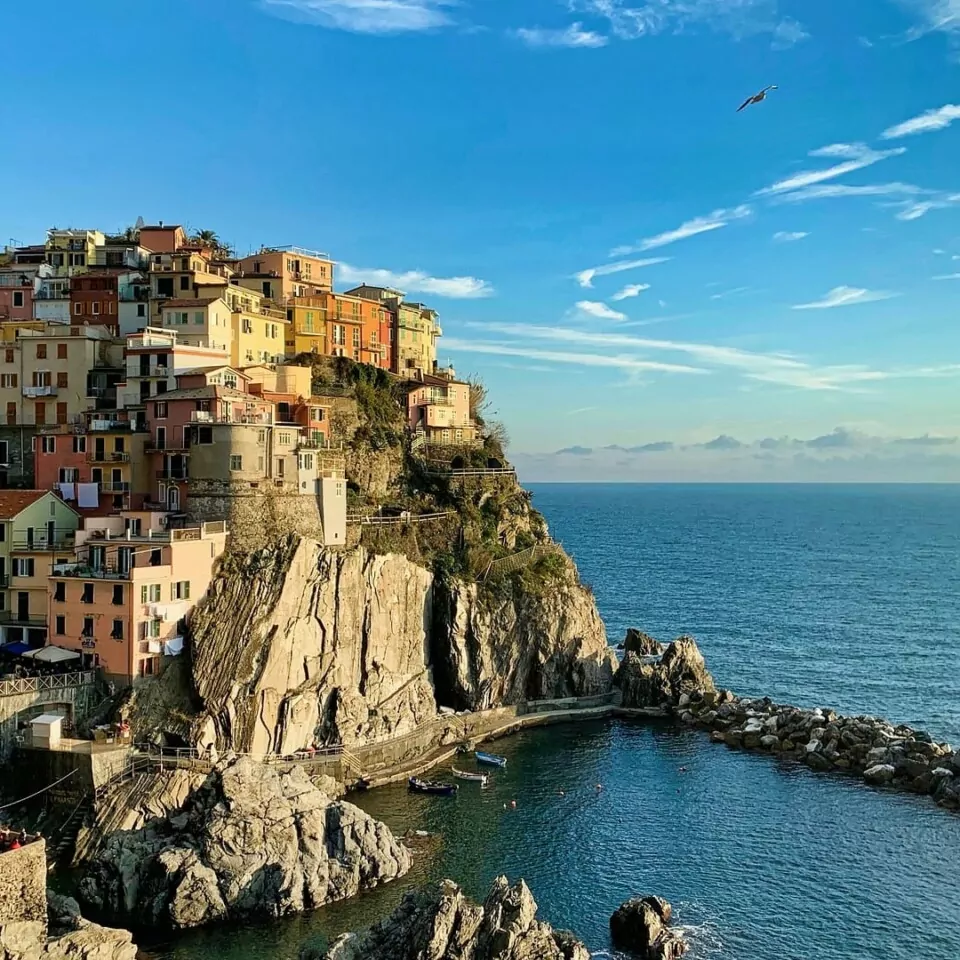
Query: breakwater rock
[249,842]
[642,926]
[879,752]
[642,644]
[297,644]
[440,923]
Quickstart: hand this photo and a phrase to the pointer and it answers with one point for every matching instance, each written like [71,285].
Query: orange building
[123,601]
[340,326]
[161,238]
[283,272]
[94,298]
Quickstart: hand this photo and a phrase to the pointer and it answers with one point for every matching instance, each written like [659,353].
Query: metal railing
[517,561]
[378,521]
[103,456]
[57,681]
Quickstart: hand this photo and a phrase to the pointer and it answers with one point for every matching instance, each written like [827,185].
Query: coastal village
[151,382]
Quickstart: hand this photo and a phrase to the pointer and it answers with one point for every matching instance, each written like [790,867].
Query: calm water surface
[845,596]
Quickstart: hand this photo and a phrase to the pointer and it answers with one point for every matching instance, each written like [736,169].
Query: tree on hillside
[479,399]
[208,238]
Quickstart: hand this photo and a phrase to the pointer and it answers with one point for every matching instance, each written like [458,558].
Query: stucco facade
[283,272]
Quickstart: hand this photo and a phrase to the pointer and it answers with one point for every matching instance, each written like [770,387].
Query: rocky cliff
[250,841]
[298,644]
[440,923]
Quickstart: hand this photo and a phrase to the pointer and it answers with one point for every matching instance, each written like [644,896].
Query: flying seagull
[757,98]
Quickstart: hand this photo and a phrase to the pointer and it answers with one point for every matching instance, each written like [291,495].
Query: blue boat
[432,786]
[491,759]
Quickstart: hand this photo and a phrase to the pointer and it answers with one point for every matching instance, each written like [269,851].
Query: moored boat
[490,759]
[480,778]
[432,786]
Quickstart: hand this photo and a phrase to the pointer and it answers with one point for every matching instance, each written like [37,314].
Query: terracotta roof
[210,391]
[13,502]
[199,302]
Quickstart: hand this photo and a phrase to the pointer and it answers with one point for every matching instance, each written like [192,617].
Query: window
[180,590]
[60,592]
[184,283]
[78,260]
[198,318]
[141,309]
[150,593]
[151,628]
[62,382]
[61,413]
[41,378]
[306,461]
[236,462]
[17,298]
[48,444]
[118,595]
[87,593]
[8,380]
[117,632]
[41,351]
[204,435]
[87,627]
[260,464]
[77,309]
[156,558]
[11,412]
[79,444]
[95,306]
[284,438]
[309,322]
[39,413]
[68,474]
[316,414]
[164,286]
[247,325]
[23,566]
[61,626]
[279,470]
[61,351]
[119,444]
[4,458]
[8,356]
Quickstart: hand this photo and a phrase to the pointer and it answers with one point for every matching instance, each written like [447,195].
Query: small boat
[432,786]
[491,759]
[480,778]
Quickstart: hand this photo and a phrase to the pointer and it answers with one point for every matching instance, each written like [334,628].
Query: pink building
[439,409]
[124,600]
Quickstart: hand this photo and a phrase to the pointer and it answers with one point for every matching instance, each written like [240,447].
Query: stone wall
[23,885]
[257,517]
[77,701]
[19,471]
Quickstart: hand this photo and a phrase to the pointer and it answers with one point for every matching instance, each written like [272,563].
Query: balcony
[106,426]
[255,419]
[48,390]
[61,541]
[103,456]
[4,582]
[168,446]
[81,571]
[167,474]
[117,486]
[137,373]
[12,618]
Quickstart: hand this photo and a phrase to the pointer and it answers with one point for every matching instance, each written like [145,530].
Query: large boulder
[642,926]
[680,672]
[440,923]
[251,841]
[642,644]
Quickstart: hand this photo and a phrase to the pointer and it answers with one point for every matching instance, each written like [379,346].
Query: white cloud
[855,156]
[586,277]
[632,19]
[914,210]
[948,276]
[572,36]
[415,281]
[845,297]
[599,310]
[942,15]
[577,359]
[630,290]
[938,119]
[831,190]
[712,221]
[784,236]
[365,16]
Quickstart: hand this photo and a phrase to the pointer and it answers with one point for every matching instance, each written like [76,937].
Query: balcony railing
[137,373]
[255,419]
[172,475]
[48,390]
[168,446]
[62,541]
[30,620]
[81,571]
[117,486]
[104,456]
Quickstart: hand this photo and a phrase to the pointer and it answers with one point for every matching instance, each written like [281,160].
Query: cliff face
[299,644]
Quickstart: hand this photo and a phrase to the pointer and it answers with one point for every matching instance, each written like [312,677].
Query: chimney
[160,222]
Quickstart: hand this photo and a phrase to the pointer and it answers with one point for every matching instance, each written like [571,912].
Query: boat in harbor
[480,778]
[490,759]
[434,787]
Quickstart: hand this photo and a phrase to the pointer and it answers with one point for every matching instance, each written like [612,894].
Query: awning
[15,649]
[53,655]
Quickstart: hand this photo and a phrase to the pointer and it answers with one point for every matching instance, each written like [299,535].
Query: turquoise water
[844,596]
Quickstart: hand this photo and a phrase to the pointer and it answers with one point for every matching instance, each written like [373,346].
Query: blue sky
[626,259]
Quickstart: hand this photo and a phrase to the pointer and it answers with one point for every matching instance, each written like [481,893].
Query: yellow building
[202,322]
[70,252]
[185,275]
[307,328]
[46,376]
[415,346]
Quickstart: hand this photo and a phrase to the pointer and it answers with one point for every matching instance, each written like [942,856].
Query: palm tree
[208,238]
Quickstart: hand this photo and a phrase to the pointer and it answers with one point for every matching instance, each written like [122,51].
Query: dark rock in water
[249,842]
[642,926]
[440,923]
[642,644]
[680,672]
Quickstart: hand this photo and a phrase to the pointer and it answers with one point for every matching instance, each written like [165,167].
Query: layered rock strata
[440,923]
[249,842]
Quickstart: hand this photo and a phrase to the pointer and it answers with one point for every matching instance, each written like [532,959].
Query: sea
[841,596]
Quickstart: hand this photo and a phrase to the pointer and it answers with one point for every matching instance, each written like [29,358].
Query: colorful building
[70,252]
[279,273]
[35,528]
[161,238]
[123,599]
[439,409]
[94,299]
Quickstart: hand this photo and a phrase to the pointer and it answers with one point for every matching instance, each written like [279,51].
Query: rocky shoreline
[877,751]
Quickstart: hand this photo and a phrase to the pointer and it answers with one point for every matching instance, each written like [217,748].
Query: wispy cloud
[712,221]
[845,297]
[610,361]
[632,19]
[785,236]
[586,277]
[630,290]
[831,190]
[599,310]
[572,36]
[736,291]
[416,281]
[854,156]
[948,276]
[365,16]
[938,119]
[915,209]
[936,15]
